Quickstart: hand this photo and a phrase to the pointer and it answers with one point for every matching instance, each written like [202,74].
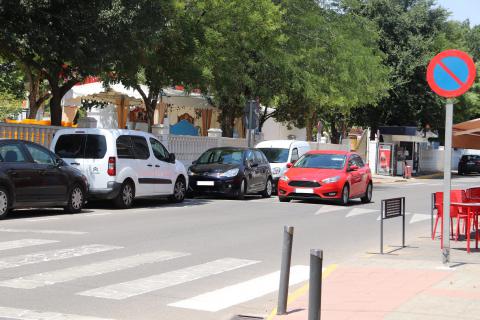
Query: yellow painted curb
[302,290]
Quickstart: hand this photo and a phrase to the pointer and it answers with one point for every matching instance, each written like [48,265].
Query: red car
[329,175]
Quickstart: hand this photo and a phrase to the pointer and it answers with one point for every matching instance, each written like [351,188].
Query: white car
[122,165]
[281,152]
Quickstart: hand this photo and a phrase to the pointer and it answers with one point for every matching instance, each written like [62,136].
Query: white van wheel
[125,197]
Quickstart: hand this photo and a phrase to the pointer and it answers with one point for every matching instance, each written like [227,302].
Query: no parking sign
[450,74]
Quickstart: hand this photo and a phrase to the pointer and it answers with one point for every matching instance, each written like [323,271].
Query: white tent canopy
[111,94]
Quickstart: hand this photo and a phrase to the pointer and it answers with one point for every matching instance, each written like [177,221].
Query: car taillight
[112,166]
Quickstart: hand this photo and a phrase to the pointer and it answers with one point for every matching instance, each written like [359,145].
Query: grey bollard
[315,289]
[285,270]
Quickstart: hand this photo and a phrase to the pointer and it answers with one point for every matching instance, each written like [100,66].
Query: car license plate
[205,183]
[304,190]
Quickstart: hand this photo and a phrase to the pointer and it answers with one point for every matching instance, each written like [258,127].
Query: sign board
[451,73]
[384,163]
[392,208]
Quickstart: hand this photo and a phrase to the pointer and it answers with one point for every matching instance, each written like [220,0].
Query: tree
[159,49]
[242,54]
[411,33]
[62,41]
[10,105]
[334,65]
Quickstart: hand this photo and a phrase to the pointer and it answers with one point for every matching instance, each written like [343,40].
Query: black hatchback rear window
[81,146]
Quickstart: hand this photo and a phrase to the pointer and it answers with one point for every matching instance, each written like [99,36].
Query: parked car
[231,171]
[122,165]
[331,175]
[469,164]
[281,152]
[31,176]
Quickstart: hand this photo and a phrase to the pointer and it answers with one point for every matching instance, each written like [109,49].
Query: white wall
[273,130]
[107,118]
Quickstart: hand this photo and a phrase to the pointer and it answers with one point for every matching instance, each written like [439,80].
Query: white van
[121,165]
[281,152]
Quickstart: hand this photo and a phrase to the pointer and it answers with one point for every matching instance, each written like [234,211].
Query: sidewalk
[406,284]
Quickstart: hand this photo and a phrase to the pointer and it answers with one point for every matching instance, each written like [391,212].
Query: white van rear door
[95,161]
[71,148]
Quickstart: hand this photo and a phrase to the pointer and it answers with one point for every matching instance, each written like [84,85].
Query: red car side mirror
[289,165]
[353,168]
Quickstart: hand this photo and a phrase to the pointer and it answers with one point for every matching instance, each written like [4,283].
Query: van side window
[95,147]
[140,147]
[294,155]
[124,148]
[159,151]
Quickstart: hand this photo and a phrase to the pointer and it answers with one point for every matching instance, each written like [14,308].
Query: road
[203,259]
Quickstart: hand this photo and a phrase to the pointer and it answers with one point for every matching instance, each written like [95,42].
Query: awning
[111,94]
[466,135]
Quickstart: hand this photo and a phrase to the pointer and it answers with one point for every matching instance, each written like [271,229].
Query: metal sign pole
[447,165]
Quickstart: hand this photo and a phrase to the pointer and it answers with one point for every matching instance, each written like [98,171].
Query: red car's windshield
[321,161]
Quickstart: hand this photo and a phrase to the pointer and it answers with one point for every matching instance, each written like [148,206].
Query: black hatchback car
[232,172]
[469,164]
[31,176]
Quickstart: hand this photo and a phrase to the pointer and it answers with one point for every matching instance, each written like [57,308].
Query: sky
[463,9]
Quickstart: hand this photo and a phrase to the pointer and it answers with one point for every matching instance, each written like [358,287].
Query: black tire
[179,191]
[368,194]
[267,193]
[125,197]
[76,199]
[284,199]
[4,203]
[345,195]
[240,193]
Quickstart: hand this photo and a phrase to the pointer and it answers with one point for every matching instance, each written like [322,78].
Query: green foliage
[11,79]
[242,54]
[10,105]
[334,64]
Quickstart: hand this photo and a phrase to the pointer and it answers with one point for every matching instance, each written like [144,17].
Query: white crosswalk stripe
[329,208]
[24,314]
[89,270]
[359,211]
[164,280]
[23,243]
[418,217]
[53,255]
[42,231]
[245,291]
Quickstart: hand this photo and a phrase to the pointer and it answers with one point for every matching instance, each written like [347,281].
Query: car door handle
[12,172]
[75,163]
[43,172]
[149,165]
[157,166]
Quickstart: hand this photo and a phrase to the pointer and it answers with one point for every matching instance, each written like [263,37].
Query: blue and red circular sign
[451,73]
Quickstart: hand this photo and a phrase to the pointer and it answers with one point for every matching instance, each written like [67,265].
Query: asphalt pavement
[204,259]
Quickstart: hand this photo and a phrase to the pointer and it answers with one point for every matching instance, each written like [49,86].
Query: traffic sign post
[449,74]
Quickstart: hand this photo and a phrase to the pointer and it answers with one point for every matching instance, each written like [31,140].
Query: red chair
[455,212]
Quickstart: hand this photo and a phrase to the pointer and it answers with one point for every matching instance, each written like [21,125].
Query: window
[159,151]
[11,153]
[322,161]
[70,146]
[294,155]
[124,148]
[140,146]
[96,147]
[249,156]
[224,156]
[81,146]
[40,155]
[276,155]
[258,157]
[359,161]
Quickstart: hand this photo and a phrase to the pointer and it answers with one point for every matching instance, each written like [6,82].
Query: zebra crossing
[219,298]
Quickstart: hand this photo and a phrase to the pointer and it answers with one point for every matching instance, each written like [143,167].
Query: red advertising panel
[384,159]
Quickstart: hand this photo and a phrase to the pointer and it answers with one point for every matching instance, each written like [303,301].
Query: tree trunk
[334,132]
[151,113]
[56,107]
[309,128]
[34,92]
